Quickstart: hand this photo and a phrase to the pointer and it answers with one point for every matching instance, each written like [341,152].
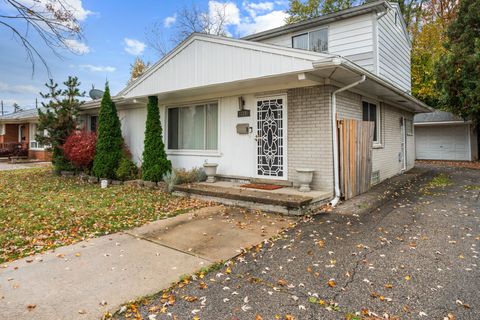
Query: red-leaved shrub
[79,148]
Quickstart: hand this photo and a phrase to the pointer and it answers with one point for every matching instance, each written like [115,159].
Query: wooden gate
[355,146]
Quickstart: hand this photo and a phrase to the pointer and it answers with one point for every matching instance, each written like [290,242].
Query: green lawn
[39,211]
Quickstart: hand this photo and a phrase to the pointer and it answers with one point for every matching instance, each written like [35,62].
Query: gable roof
[203,60]
[376,6]
[437,116]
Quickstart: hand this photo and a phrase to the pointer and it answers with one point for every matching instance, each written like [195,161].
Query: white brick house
[279,86]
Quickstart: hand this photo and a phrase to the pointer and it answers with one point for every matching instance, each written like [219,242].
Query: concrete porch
[286,200]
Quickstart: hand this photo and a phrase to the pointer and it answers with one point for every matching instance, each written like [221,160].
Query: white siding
[207,61]
[394,50]
[351,38]
[133,130]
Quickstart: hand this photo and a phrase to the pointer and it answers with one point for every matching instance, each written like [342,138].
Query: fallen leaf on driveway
[30,307]
[332,283]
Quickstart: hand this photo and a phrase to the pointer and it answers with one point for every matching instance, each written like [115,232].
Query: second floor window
[314,41]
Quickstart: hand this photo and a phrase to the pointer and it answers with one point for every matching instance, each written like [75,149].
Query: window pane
[93,123]
[191,126]
[212,126]
[319,40]
[365,113]
[173,128]
[373,117]
[300,42]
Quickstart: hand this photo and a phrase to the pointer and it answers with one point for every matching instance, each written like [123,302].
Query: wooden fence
[355,146]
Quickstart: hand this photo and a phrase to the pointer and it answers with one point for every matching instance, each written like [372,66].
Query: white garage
[442,136]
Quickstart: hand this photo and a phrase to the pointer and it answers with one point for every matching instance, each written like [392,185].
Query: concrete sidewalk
[84,280]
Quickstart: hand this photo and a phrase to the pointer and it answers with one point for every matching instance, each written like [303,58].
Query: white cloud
[134,47]
[260,7]
[77,46]
[75,7]
[169,21]
[230,10]
[18,89]
[93,68]
[260,23]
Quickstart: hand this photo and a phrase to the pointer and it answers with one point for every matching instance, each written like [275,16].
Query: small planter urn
[304,178]
[103,183]
[210,171]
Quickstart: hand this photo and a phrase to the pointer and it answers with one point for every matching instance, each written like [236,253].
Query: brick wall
[385,158]
[11,133]
[40,155]
[309,134]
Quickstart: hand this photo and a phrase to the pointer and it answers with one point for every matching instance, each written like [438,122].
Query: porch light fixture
[242,112]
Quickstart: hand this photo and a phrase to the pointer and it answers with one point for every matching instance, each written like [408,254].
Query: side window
[370,112]
[300,42]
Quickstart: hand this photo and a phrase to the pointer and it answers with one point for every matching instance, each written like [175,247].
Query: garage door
[442,142]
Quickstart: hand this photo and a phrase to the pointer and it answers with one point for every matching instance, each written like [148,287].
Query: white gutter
[336,170]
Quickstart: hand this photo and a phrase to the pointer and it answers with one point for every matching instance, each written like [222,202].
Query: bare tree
[190,19]
[54,21]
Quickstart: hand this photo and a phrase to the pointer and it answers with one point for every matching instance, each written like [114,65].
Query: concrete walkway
[84,280]
[5,165]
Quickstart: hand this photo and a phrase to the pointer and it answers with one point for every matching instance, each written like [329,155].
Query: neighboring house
[441,135]
[20,129]
[262,106]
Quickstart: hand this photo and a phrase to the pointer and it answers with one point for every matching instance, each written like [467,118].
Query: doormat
[261,186]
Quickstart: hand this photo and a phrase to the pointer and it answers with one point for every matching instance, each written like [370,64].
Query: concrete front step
[286,203]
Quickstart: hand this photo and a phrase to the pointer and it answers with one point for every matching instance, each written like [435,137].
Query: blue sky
[114,35]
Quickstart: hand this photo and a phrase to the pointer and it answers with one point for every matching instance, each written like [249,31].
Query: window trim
[308,33]
[33,144]
[377,144]
[411,131]
[192,152]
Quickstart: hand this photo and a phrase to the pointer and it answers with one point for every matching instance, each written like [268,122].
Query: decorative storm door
[270,138]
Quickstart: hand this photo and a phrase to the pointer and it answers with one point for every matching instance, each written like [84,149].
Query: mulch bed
[445,163]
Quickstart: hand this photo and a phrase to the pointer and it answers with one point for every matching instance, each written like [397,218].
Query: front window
[371,113]
[93,123]
[193,127]
[35,132]
[314,41]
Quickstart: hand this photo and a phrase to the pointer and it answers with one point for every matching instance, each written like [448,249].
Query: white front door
[271,138]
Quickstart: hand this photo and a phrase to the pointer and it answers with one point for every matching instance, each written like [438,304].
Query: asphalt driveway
[414,258]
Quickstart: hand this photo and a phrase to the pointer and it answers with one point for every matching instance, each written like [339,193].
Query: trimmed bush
[190,176]
[127,170]
[79,149]
[155,163]
[109,140]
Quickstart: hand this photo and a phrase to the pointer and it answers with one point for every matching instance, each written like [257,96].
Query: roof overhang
[342,71]
[442,123]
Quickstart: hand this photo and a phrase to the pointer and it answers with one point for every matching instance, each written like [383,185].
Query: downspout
[336,170]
